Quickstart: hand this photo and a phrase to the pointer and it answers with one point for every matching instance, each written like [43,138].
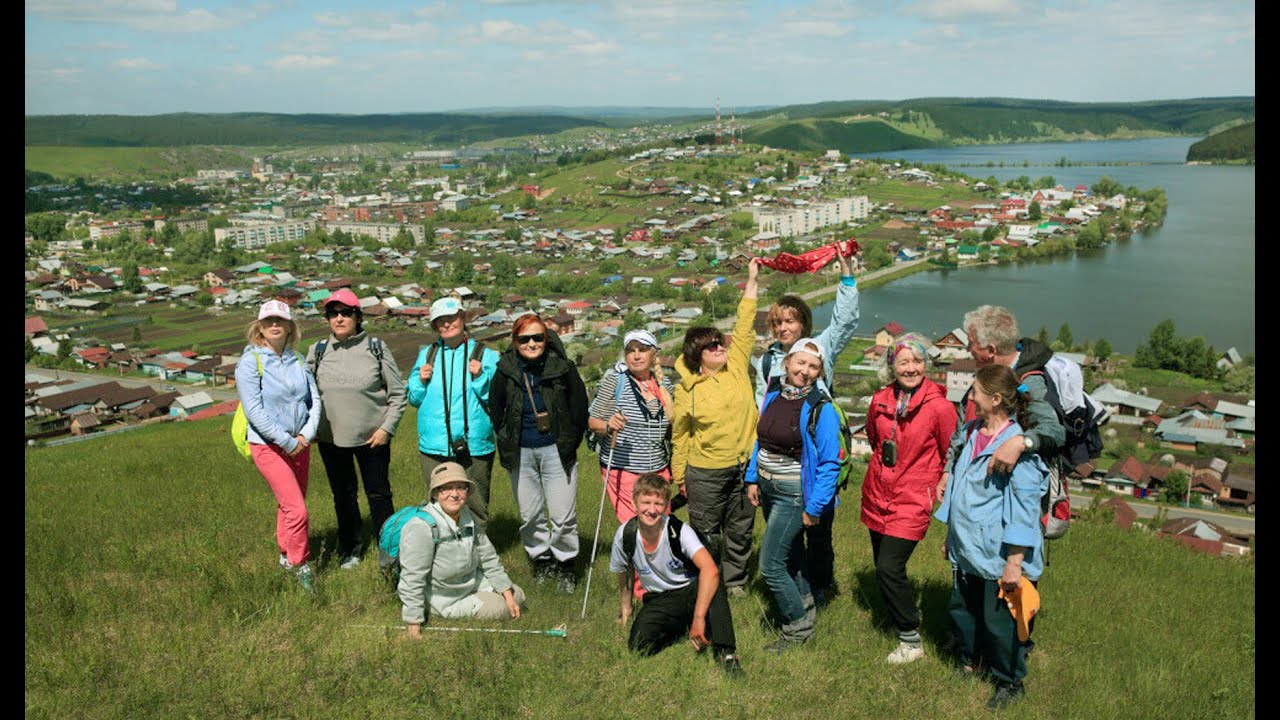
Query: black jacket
[563,393]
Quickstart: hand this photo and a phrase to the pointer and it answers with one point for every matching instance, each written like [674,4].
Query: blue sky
[144,57]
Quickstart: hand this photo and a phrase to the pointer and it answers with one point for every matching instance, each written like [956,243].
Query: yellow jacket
[714,423]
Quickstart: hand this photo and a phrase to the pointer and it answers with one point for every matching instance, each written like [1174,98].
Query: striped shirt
[641,445]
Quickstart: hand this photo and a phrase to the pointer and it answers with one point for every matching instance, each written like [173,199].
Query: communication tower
[717,119]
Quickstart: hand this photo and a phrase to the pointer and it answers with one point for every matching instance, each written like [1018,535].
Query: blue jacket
[832,340]
[987,513]
[429,399]
[283,403]
[819,462]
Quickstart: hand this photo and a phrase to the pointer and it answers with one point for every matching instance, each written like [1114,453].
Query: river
[1197,269]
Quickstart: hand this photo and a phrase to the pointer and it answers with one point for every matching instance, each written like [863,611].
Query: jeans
[375,467]
[548,500]
[479,469]
[782,558]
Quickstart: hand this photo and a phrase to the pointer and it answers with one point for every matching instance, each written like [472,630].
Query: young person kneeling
[682,585]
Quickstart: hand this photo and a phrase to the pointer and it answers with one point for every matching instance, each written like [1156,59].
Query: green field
[151,590]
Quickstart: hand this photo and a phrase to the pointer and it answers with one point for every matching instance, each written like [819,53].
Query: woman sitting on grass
[451,565]
[993,534]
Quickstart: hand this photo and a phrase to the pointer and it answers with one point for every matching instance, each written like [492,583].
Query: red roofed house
[577,308]
[223,408]
[886,334]
[36,327]
[95,357]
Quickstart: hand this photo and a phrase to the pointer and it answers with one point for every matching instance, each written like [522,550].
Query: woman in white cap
[362,398]
[282,405]
[539,409]
[448,563]
[449,384]
[792,475]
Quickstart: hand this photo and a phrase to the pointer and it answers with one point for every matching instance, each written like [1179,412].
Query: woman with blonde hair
[282,404]
[909,425]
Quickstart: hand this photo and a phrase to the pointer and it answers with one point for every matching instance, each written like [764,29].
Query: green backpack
[816,400]
[240,422]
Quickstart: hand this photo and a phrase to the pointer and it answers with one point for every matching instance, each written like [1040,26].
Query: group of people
[729,435]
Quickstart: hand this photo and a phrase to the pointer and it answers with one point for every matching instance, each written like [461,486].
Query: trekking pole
[608,468]
[558,631]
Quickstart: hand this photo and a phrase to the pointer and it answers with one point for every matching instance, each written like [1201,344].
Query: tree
[1091,236]
[1162,350]
[403,240]
[609,266]
[1239,379]
[1174,490]
[634,320]
[130,279]
[31,349]
[461,269]
[1102,349]
[137,334]
[1033,211]
[64,349]
[1043,336]
[1064,336]
[1106,187]
[504,270]
[46,227]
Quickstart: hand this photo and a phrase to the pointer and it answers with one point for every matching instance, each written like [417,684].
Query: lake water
[1197,269]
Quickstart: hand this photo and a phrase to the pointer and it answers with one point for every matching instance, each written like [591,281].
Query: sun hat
[448,472]
[642,336]
[275,308]
[806,345]
[344,296]
[445,307]
[1023,603]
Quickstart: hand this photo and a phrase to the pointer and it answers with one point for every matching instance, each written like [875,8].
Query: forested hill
[271,129]
[1234,144]
[870,125]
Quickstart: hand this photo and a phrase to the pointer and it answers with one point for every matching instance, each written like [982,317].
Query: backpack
[1082,443]
[673,540]
[240,421]
[374,345]
[816,400]
[389,538]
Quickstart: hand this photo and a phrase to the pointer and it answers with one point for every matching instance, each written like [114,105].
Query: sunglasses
[526,339]
[714,345]
[332,313]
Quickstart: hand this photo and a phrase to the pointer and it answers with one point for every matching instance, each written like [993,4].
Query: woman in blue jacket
[449,384]
[792,474]
[282,405]
[993,533]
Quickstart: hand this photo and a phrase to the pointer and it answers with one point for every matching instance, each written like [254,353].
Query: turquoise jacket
[985,514]
[430,399]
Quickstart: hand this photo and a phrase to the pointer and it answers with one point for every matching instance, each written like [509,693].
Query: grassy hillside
[151,590]
[851,137]
[1233,144]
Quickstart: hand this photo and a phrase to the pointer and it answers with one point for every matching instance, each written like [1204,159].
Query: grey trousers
[479,469]
[719,509]
[494,607]
[548,502]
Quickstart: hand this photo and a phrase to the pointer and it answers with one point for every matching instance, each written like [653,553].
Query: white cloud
[966,10]
[598,48]
[97,46]
[395,32]
[146,15]
[814,28]
[503,30]
[239,69]
[137,64]
[332,19]
[304,62]
[437,11]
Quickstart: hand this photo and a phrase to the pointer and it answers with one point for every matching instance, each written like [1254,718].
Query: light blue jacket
[819,461]
[283,403]
[832,340]
[429,399]
[985,514]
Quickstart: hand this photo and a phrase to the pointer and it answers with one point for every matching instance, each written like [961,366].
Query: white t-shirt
[659,571]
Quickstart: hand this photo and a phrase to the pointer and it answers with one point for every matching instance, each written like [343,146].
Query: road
[218,394]
[1235,522]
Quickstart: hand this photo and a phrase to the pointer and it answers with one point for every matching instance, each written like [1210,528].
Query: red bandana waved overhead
[812,261]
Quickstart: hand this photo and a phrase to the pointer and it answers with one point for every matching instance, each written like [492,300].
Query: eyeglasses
[638,347]
[332,313]
[526,339]
[452,490]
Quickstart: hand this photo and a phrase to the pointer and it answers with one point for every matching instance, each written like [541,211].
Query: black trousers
[375,469]
[665,617]
[720,511]
[891,555]
[985,630]
[819,553]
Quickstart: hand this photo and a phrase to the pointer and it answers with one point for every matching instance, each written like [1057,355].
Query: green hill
[1231,145]
[849,137]
[150,589]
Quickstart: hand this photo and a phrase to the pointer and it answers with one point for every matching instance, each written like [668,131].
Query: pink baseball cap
[344,296]
[275,308]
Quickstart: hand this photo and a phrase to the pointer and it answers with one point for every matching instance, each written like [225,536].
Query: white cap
[275,308]
[445,307]
[806,345]
[641,336]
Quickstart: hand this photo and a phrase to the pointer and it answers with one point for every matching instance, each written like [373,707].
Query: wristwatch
[1027,443]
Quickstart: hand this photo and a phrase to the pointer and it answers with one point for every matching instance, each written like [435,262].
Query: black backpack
[673,539]
[374,345]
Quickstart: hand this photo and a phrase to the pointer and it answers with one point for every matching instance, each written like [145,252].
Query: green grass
[151,590]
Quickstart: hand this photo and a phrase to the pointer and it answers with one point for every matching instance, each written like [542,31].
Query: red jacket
[896,501]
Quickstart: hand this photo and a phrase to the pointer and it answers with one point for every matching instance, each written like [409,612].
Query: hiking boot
[566,581]
[783,644]
[544,571]
[1005,693]
[306,579]
[284,562]
[732,666]
[905,653]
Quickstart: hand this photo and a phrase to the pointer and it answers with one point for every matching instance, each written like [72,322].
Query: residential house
[35,327]
[1126,408]
[185,405]
[1206,537]
[47,300]
[83,423]
[218,278]
[885,334]
[1238,489]
[1194,428]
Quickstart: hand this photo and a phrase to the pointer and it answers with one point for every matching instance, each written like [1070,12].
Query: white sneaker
[284,562]
[349,562]
[904,654]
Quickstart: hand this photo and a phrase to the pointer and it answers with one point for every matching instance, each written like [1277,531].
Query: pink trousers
[287,478]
